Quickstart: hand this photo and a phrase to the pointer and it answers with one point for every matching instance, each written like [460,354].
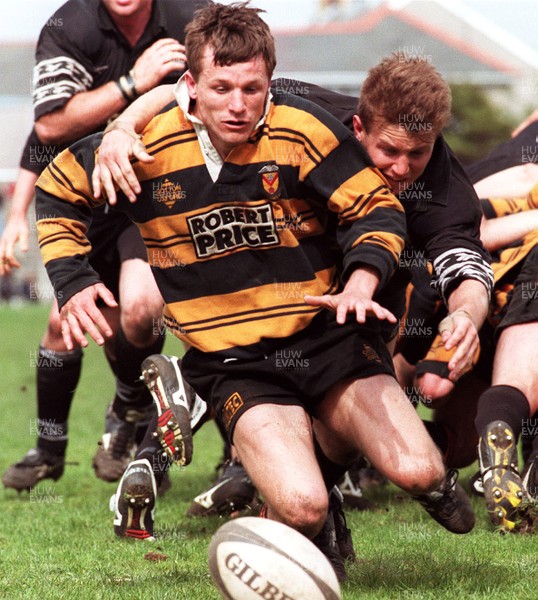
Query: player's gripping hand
[16,230]
[80,315]
[157,62]
[113,165]
[459,331]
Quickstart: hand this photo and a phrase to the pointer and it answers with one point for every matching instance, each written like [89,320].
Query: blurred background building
[486,49]
[459,38]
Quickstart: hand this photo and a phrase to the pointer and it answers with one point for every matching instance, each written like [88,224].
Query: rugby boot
[180,410]
[351,491]
[133,503]
[36,465]
[449,505]
[503,488]
[117,445]
[233,491]
[160,465]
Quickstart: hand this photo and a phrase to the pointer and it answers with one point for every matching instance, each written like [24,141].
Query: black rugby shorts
[522,304]
[297,371]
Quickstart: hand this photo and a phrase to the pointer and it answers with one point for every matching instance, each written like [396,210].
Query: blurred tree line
[478,124]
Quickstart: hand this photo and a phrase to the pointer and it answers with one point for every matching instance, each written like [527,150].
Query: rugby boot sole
[503,487]
[163,379]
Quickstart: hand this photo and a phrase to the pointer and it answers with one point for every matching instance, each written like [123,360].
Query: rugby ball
[252,558]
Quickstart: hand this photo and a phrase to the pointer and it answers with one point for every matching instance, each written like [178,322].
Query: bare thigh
[516,361]
[275,445]
[373,416]
[141,302]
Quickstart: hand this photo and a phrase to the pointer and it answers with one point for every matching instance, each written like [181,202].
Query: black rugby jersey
[442,209]
[521,150]
[80,49]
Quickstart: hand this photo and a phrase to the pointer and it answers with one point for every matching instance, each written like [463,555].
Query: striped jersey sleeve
[64,203]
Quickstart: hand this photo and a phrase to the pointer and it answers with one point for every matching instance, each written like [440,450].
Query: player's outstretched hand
[113,164]
[356,297]
[345,303]
[459,331]
[80,315]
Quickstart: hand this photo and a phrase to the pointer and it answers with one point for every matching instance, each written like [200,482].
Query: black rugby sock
[125,364]
[502,403]
[58,374]
[332,472]
[439,435]
[150,448]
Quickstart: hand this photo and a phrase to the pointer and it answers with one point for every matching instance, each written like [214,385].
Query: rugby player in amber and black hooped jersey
[403,138]
[442,209]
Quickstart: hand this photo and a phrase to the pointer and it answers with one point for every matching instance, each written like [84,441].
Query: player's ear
[358,128]
[191,85]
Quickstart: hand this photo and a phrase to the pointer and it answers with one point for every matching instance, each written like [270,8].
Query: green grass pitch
[58,542]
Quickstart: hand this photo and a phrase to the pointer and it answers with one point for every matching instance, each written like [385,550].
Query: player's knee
[139,322]
[304,512]
[421,474]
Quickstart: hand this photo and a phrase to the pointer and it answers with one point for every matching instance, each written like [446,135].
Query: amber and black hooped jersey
[234,257]
[507,261]
[506,258]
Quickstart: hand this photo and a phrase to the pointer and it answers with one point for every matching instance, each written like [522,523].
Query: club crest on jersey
[168,193]
[270,176]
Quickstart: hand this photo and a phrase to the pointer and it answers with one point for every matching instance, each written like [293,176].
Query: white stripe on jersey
[59,77]
[460,263]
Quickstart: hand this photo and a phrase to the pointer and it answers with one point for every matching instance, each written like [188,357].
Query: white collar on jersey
[212,158]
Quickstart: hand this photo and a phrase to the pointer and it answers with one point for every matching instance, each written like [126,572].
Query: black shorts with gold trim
[297,371]
[522,301]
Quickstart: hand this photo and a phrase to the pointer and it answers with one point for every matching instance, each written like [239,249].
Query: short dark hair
[235,32]
[402,89]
